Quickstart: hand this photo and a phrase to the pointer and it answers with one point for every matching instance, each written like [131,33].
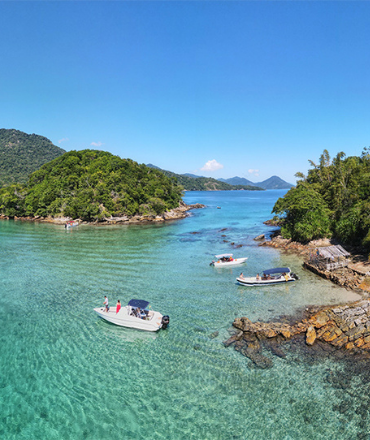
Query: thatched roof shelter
[331,252]
[330,257]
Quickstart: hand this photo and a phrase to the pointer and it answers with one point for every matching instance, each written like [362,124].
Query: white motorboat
[226,260]
[279,275]
[71,224]
[135,315]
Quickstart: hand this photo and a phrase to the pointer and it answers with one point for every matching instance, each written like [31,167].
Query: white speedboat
[226,260]
[135,315]
[71,224]
[279,275]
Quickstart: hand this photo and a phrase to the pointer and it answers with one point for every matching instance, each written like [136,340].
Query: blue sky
[219,89]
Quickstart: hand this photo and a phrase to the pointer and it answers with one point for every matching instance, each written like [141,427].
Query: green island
[332,201]
[91,185]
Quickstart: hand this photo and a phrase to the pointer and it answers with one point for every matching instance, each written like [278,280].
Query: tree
[306,214]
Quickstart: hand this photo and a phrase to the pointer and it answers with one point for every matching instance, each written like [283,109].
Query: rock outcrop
[344,327]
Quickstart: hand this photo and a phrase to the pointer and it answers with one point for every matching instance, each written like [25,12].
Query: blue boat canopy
[138,303]
[277,270]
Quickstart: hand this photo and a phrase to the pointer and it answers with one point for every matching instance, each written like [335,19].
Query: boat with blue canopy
[278,275]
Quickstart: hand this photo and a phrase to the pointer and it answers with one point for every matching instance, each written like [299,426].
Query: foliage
[21,154]
[307,216]
[206,183]
[92,185]
[334,199]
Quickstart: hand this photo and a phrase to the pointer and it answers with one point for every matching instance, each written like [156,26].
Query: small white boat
[279,275]
[135,315]
[71,224]
[226,260]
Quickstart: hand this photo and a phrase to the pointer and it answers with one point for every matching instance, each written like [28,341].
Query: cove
[65,374]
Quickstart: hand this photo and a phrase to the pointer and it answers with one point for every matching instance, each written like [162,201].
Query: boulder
[310,335]
[319,319]
[233,339]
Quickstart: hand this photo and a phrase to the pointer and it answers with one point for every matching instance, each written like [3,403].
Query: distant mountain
[21,154]
[238,181]
[196,183]
[273,182]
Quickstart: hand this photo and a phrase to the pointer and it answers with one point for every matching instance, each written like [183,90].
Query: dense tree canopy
[332,200]
[21,154]
[91,185]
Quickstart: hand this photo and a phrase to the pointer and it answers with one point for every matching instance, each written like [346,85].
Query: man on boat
[105,303]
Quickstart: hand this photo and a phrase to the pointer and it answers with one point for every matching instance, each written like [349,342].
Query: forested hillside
[21,154]
[332,200]
[91,185]
[193,183]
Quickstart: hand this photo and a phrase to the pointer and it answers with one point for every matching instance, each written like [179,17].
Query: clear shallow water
[65,374]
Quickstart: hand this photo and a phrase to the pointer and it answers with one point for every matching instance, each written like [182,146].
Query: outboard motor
[295,276]
[165,321]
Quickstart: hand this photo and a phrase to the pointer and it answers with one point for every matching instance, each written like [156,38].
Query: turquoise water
[66,374]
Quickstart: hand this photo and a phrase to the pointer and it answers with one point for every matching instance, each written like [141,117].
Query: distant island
[191,182]
[274,182]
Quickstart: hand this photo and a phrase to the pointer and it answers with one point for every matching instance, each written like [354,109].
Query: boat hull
[252,281]
[124,319]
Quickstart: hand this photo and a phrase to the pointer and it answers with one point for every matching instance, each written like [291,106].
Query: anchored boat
[226,260]
[135,315]
[279,275]
[71,224]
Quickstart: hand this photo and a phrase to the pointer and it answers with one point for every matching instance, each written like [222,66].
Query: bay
[65,374]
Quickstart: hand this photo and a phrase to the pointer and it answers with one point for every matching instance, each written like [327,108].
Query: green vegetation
[206,183]
[91,185]
[21,154]
[333,200]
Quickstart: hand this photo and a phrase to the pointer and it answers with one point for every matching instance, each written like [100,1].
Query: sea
[67,374]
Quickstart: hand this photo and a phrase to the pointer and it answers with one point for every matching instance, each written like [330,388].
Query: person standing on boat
[118,306]
[105,303]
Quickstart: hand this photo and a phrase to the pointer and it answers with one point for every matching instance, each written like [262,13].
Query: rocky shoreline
[345,329]
[175,214]
[342,330]
[354,277]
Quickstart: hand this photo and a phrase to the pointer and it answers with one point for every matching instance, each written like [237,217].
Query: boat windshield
[224,256]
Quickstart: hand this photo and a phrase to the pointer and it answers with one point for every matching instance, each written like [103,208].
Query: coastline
[341,330]
[178,213]
[356,276]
